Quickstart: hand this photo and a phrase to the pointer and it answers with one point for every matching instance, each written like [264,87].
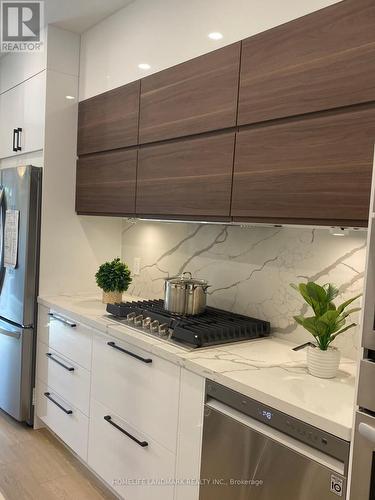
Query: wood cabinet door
[321,61]
[193,97]
[188,177]
[109,120]
[314,170]
[106,183]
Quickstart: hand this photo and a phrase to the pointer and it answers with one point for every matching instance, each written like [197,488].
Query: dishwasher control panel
[303,432]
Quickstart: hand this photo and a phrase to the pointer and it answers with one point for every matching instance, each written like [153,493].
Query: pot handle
[187,272]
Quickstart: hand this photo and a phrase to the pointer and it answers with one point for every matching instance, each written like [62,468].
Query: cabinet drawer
[188,177]
[109,120]
[190,98]
[303,170]
[144,394]
[321,61]
[117,458]
[67,337]
[106,183]
[65,377]
[72,427]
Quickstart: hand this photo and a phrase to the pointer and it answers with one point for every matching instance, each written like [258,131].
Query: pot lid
[186,279]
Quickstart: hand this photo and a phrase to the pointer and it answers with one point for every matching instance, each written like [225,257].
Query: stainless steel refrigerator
[20,195]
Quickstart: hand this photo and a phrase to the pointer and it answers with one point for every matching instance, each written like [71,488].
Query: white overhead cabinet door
[34,93]
[11,104]
[22,110]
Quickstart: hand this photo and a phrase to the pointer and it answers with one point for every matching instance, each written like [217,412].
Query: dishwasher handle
[367,432]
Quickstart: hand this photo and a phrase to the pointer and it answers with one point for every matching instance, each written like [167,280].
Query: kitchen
[222,153]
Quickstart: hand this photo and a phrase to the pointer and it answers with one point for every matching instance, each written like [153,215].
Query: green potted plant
[114,279]
[327,323]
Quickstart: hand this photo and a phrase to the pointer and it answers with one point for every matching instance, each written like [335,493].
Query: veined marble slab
[266,370]
[250,269]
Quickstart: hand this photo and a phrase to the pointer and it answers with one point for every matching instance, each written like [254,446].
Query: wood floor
[34,465]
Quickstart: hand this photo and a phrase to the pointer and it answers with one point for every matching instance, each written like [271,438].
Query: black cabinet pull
[62,320]
[50,356]
[15,140]
[19,132]
[48,396]
[108,419]
[144,360]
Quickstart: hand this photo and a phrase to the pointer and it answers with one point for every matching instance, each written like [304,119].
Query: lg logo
[21,26]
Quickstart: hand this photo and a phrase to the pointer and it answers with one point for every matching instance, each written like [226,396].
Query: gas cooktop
[213,327]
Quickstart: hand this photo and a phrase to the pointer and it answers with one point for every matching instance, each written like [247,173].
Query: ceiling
[80,15]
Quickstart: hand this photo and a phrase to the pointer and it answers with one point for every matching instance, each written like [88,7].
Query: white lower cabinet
[135,470]
[140,387]
[64,376]
[63,418]
[133,417]
[66,336]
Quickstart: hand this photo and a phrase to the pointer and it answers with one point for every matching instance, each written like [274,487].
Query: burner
[212,327]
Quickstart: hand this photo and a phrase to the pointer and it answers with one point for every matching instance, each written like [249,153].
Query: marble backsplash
[250,268]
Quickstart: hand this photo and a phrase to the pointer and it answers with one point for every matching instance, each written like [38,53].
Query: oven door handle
[367,432]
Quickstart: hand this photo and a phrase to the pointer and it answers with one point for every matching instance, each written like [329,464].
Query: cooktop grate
[212,327]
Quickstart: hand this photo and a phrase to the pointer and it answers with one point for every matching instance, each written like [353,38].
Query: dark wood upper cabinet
[110,120]
[321,61]
[106,183]
[186,178]
[193,97]
[314,170]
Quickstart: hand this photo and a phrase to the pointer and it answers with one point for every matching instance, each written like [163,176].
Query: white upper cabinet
[22,110]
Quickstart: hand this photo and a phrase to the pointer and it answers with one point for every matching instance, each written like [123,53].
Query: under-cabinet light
[339,231]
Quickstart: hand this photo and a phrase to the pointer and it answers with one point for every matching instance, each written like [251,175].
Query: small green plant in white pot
[328,322]
[114,279]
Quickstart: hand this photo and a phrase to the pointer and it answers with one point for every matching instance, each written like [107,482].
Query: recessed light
[69,97]
[215,35]
[144,66]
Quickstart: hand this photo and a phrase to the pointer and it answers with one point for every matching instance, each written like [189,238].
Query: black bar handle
[62,320]
[144,360]
[15,133]
[19,130]
[108,419]
[48,396]
[50,356]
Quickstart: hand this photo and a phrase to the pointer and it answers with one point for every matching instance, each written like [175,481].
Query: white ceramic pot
[323,364]
[112,297]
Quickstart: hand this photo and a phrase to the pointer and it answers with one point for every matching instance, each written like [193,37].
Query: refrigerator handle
[8,333]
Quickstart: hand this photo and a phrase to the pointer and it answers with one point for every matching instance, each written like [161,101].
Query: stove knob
[154,327]
[130,317]
[163,330]
[146,323]
[138,320]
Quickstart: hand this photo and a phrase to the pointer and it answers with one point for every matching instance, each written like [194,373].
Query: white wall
[166,32]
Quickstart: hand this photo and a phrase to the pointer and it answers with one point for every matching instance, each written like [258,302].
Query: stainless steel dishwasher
[254,452]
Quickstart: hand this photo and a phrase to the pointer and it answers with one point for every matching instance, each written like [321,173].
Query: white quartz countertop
[266,369]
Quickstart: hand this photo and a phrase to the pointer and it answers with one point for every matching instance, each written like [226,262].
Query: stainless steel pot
[185,295]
